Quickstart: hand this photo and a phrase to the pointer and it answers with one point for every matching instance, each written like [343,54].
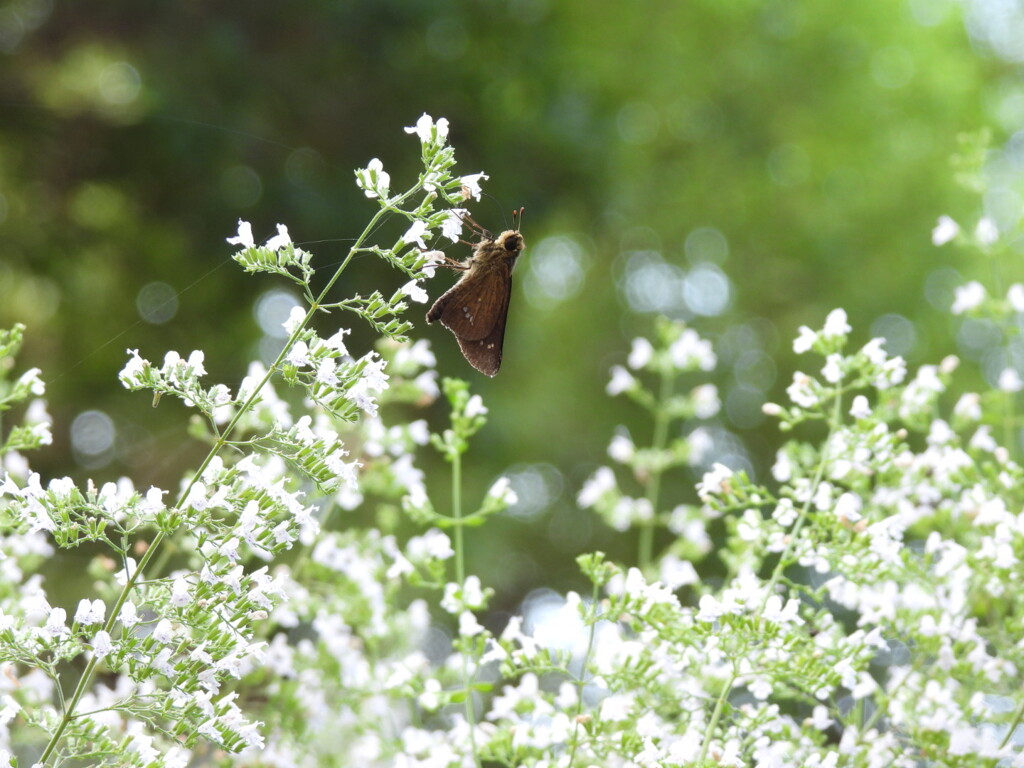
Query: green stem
[1013,726]
[1009,417]
[779,567]
[794,535]
[460,577]
[460,560]
[581,681]
[709,732]
[645,553]
[85,681]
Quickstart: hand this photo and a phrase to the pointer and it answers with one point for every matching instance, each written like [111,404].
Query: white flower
[710,608]
[129,615]
[502,490]
[801,392]
[374,180]
[986,231]
[833,371]
[945,230]
[621,448]
[848,507]
[968,407]
[432,544]
[415,234]
[805,340]
[90,612]
[714,482]
[327,372]
[131,374]
[616,707]
[451,227]
[298,355]
[1010,381]
[244,236]
[468,625]
[55,623]
[31,381]
[101,644]
[337,341]
[600,483]
[294,320]
[677,573]
[1016,297]
[475,407]
[820,719]
[471,185]
[705,401]
[785,513]
[415,291]
[873,351]
[280,240]
[690,350]
[429,131]
[835,324]
[760,687]
[122,576]
[860,408]
[968,297]
[983,439]
[621,381]
[641,353]
[180,592]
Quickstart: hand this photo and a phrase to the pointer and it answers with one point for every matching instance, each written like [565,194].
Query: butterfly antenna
[517,218]
[498,205]
[471,223]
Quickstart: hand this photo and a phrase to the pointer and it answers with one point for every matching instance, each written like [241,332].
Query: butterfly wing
[475,310]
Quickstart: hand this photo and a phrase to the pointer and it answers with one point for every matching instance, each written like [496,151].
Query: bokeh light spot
[92,438]
[272,309]
[899,334]
[556,269]
[706,290]
[241,186]
[157,303]
[789,165]
[652,285]
[638,123]
[892,67]
[119,83]
[706,244]
[447,39]
[536,486]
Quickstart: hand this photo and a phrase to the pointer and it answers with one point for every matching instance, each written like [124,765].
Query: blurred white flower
[860,409]
[836,324]
[640,354]
[1010,381]
[805,340]
[945,230]
[986,231]
[967,297]
[621,381]
[1016,297]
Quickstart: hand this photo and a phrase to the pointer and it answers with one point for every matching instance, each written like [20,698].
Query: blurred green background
[746,166]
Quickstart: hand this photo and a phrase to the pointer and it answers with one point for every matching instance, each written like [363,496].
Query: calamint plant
[187,591]
[857,607]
